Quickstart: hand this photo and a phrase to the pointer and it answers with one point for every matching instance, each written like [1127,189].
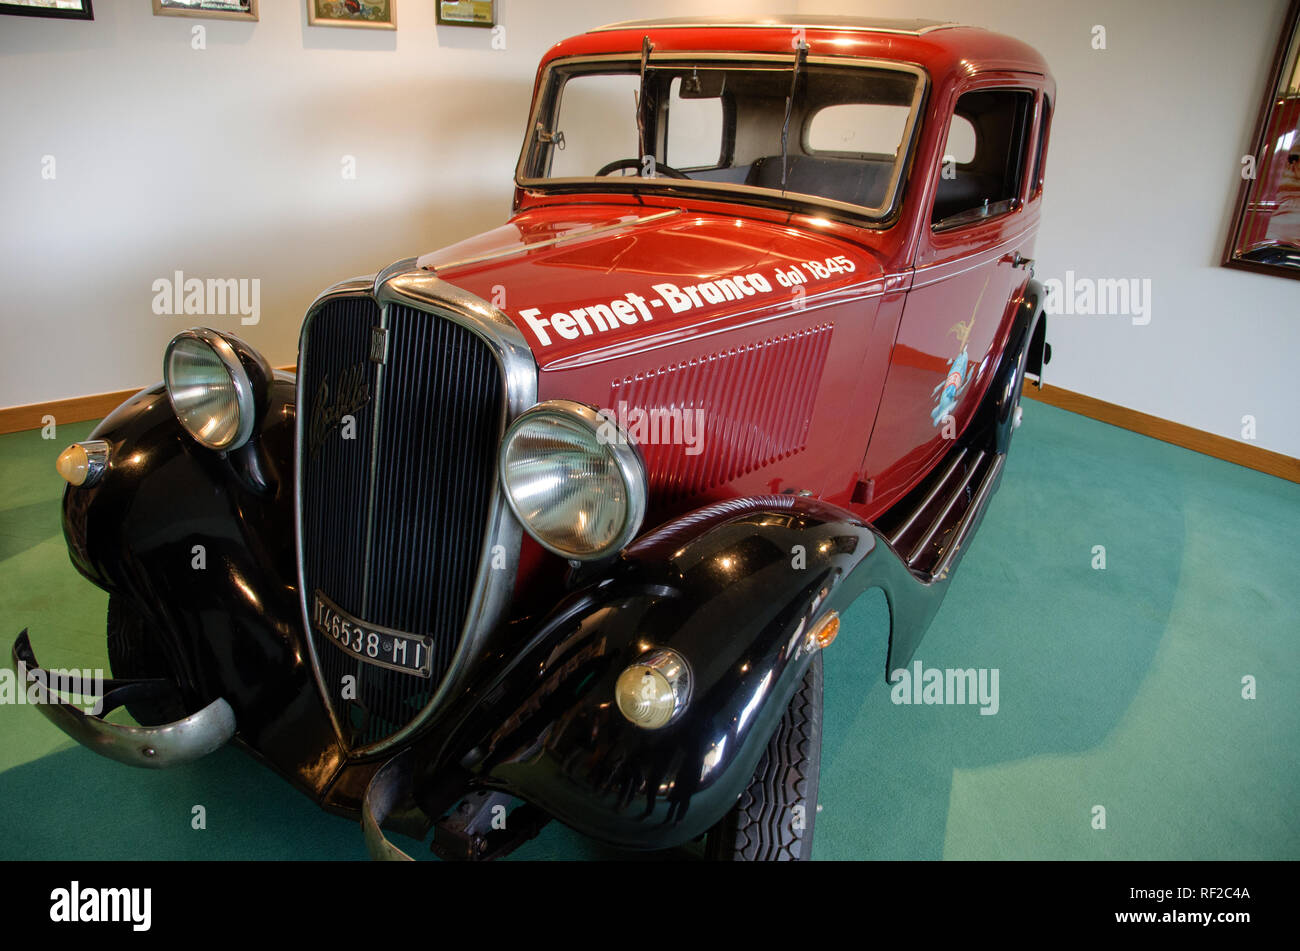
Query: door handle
[1018,260]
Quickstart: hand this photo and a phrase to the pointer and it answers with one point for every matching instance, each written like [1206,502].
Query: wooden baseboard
[1220,447]
[81,408]
[78,409]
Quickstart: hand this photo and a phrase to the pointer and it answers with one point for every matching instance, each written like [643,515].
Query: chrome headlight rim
[242,384]
[622,451]
[673,669]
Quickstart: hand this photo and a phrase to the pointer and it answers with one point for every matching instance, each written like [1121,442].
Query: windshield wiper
[646,47]
[800,56]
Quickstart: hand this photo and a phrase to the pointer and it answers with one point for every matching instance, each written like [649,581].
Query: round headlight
[654,689]
[209,389]
[573,479]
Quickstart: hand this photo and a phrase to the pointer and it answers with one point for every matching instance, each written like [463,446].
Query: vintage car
[556,522]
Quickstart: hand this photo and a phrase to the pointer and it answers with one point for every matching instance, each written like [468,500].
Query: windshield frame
[878,216]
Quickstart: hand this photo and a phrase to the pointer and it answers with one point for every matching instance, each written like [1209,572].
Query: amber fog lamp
[209,388]
[651,692]
[83,463]
[824,631]
[574,480]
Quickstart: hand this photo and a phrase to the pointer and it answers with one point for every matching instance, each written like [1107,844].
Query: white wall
[226,163]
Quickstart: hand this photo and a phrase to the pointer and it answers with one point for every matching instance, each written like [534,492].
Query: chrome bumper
[387,789]
[154,747]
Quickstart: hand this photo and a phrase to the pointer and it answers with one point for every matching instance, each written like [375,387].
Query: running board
[930,538]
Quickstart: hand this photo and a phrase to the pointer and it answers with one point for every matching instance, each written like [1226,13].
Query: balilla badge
[352,394]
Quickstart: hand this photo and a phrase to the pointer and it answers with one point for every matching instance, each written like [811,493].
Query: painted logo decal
[632,308]
[953,385]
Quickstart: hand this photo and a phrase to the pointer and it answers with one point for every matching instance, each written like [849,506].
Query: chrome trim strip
[978,504]
[375,422]
[939,486]
[97,456]
[153,747]
[957,492]
[351,288]
[405,284]
[902,163]
[570,236]
[981,258]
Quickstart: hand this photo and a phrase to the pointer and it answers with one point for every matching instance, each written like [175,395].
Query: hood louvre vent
[756,402]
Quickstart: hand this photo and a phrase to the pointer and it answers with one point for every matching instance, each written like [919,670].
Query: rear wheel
[773,820]
[133,654]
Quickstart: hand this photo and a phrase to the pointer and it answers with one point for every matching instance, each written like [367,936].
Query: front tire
[773,819]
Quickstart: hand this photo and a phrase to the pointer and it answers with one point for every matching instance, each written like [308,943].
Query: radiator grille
[394,517]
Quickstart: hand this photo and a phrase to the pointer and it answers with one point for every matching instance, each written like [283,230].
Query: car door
[971,262]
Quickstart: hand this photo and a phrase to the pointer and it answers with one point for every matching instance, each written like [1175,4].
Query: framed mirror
[1265,234]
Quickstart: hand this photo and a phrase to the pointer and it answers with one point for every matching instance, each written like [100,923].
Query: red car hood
[588,283]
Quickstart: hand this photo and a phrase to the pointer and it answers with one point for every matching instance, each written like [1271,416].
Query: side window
[695,129]
[960,149]
[1040,156]
[598,120]
[988,131]
[858,128]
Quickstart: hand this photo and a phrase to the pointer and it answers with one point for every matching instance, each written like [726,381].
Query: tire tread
[759,827]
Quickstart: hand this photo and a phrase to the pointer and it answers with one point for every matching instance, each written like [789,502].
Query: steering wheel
[620,164]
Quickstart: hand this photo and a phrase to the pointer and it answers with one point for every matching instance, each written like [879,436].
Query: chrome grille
[395,518]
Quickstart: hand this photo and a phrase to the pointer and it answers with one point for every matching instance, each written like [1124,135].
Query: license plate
[377,645]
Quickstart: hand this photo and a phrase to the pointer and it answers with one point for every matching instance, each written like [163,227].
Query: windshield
[721,127]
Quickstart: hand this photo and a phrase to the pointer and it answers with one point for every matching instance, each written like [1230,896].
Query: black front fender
[734,588]
[200,544]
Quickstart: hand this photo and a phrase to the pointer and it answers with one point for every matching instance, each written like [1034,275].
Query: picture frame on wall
[372,14]
[64,9]
[1265,232]
[218,9]
[467,13]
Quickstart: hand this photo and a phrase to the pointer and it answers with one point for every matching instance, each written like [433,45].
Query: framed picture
[68,9]
[467,13]
[376,14]
[223,9]
[1265,233]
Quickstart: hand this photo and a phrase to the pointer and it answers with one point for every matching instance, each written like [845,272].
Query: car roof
[868,24]
[945,50]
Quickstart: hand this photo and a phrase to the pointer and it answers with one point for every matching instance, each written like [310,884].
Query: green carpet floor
[1119,688]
